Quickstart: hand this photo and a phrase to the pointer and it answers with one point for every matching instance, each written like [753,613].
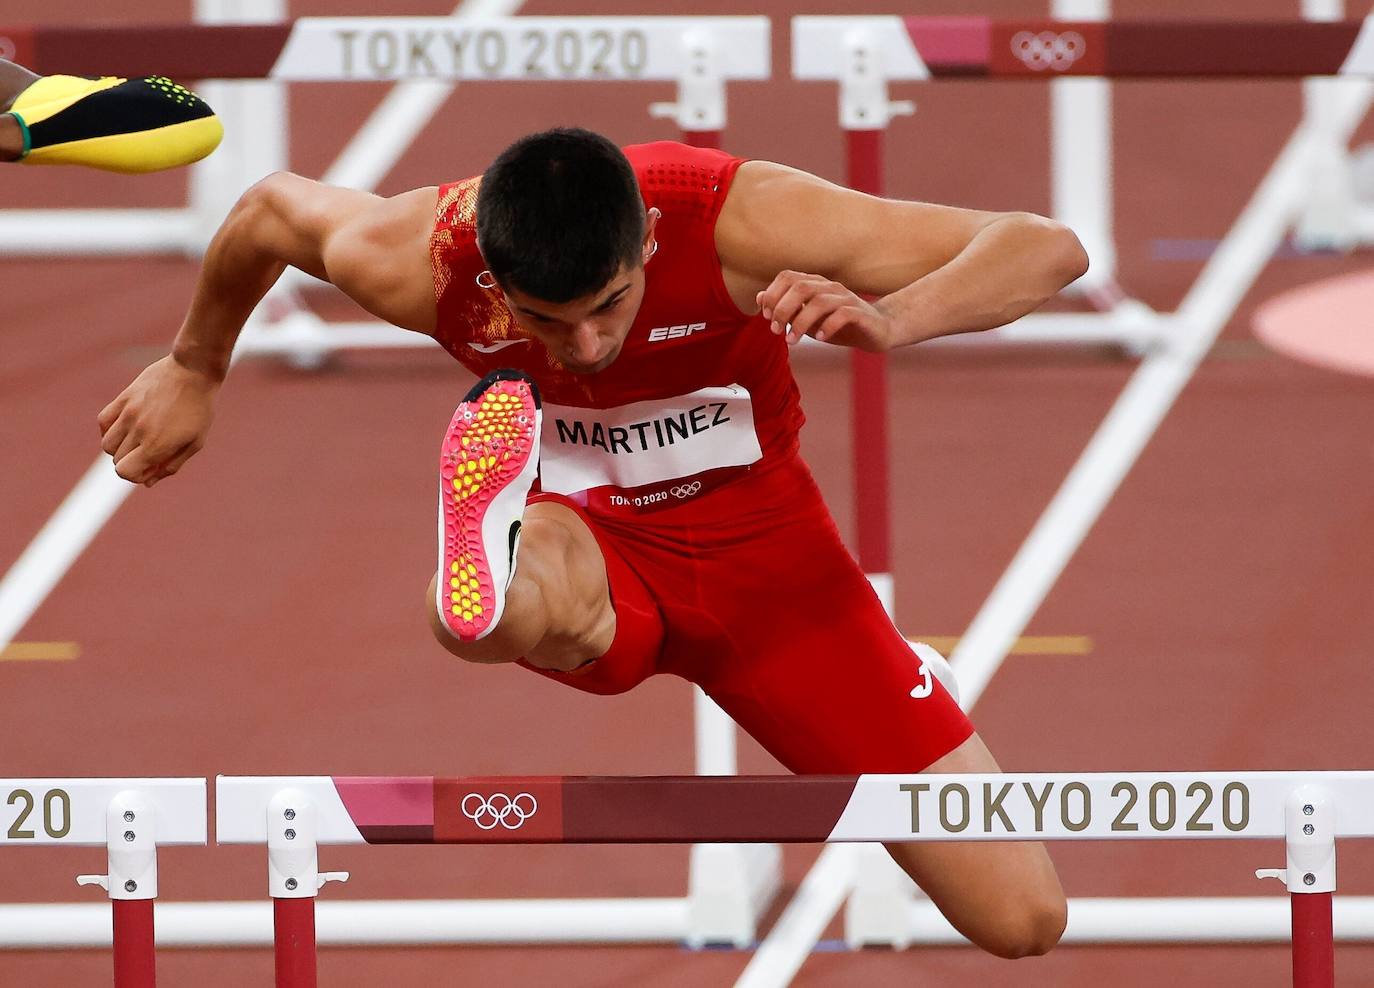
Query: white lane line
[96,497]
[790,941]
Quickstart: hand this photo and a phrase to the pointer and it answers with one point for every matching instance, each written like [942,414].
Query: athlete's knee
[1028,924]
[547,537]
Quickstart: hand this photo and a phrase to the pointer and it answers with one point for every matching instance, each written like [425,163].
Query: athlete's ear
[650,243]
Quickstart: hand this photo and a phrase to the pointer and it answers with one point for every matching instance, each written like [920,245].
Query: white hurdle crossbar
[1308,810]
[293,816]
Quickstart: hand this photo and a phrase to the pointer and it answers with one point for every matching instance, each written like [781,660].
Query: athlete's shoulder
[467,310]
[456,204]
[674,166]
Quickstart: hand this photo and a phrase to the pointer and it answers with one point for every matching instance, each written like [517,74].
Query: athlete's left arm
[815,250]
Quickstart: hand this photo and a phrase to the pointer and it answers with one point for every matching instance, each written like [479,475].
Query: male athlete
[632,313]
[118,125]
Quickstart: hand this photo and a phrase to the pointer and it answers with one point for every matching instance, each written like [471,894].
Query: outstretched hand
[158,422]
[800,305]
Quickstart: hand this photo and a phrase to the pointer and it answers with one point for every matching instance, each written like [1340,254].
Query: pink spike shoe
[487,464]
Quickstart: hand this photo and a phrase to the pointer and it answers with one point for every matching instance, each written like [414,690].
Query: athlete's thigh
[592,563]
[818,674]
[990,891]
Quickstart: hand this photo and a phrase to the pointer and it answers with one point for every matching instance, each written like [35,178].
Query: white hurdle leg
[294,879]
[1081,162]
[255,125]
[1328,217]
[730,886]
[131,826]
[1310,825]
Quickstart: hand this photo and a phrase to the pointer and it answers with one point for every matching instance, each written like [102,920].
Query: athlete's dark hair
[558,213]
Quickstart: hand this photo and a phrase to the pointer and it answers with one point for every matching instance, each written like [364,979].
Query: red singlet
[681,457]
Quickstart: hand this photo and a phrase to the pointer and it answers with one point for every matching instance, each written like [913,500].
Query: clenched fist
[159,421]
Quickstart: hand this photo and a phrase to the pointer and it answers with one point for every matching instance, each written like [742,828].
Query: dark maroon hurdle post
[1314,946]
[294,938]
[135,961]
[702,138]
[868,391]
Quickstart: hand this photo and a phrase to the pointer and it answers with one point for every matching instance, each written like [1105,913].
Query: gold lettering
[914,790]
[945,820]
[1038,804]
[1064,807]
[993,805]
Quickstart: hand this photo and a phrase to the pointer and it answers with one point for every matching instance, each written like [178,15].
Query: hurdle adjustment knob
[331,876]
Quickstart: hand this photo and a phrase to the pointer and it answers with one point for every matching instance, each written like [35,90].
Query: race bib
[648,442]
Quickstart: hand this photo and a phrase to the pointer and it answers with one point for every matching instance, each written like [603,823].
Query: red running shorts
[749,592]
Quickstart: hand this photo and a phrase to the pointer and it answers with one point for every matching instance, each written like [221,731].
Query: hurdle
[131,818]
[293,816]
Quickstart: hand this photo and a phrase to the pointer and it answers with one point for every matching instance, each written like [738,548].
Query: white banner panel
[521,48]
[73,811]
[1088,806]
[241,804]
[820,47]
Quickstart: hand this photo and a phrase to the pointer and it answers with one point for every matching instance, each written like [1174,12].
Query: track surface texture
[262,612]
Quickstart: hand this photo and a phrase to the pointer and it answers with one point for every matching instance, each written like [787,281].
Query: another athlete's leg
[14,79]
[110,123]
[1003,896]
[558,611]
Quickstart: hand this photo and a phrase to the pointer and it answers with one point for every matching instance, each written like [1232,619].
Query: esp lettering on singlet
[648,454]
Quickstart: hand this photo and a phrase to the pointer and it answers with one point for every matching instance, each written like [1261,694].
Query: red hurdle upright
[1310,874]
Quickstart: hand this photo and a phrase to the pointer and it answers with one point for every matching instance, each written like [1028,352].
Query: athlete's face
[586,334]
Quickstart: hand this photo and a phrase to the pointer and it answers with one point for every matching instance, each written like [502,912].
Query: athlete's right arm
[375,250]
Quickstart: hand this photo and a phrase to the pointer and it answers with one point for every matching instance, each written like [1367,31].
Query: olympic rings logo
[498,809]
[686,490]
[1048,49]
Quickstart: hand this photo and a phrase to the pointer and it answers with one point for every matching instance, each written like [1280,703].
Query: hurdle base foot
[877,912]
[731,886]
